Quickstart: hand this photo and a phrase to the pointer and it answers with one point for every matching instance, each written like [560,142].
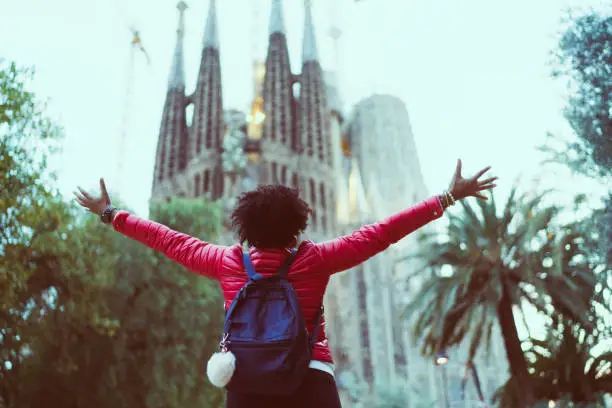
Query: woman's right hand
[470,187]
[94,204]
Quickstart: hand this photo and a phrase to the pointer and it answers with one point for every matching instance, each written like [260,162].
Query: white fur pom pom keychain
[221,365]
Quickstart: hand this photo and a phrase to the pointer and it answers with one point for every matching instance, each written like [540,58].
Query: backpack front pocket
[263,359]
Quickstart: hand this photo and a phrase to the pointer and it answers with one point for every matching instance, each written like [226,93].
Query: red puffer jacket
[309,273]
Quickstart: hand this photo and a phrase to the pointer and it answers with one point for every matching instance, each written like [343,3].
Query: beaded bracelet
[443,201]
[446,199]
[450,197]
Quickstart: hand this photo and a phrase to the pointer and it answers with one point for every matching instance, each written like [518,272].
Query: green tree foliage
[194,305]
[30,213]
[91,318]
[600,223]
[125,326]
[28,208]
[605,220]
[571,366]
[499,262]
[584,57]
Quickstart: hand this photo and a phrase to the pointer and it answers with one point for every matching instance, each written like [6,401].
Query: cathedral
[345,166]
[287,136]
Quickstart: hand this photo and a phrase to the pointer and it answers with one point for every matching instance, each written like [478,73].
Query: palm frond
[479,331]
[521,249]
[600,368]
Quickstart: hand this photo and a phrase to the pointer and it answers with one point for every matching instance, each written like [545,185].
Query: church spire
[171,157]
[309,45]
[211,32]
[177,72]
[314,110]
[277,93]
[208,125]
[277,19]
[314,131]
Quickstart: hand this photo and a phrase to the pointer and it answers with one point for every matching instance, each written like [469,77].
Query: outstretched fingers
[85,194]
[481,172]
[80,199]
[458,169]
[457,175]
[486,187]
[105,195]
[488,181]
[79,196]
[481,196]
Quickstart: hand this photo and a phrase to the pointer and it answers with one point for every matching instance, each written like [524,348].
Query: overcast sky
[473,74]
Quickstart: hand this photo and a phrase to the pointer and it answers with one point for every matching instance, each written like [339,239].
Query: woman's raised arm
[350,250]
[194,254]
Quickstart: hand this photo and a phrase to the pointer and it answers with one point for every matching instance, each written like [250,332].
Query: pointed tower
[315,133]
[318,180]
[278,135]
[208,125]
[171,156]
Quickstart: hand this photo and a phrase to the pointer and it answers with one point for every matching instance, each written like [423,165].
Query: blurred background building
[352,168]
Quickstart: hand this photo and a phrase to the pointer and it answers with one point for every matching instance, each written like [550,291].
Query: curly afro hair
[270,217]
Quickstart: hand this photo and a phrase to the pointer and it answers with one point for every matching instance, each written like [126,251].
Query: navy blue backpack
[265,330]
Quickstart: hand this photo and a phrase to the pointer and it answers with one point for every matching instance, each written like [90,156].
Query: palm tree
[500,262]
[567,367]
[573,365]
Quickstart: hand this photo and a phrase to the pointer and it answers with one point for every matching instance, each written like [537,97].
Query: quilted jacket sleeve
[350,250]
[194,254]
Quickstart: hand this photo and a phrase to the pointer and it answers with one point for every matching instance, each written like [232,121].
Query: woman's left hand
[465,187]
[94,204]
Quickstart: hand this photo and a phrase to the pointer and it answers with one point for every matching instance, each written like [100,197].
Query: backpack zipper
[224,343]
[271,344]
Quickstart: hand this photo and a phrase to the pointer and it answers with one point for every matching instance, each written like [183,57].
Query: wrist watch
[105,215]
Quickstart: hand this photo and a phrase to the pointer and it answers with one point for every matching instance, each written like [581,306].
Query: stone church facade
[351,170]
[291,146]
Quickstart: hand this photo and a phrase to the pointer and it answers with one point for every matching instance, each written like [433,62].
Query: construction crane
[136,48]
[335,32]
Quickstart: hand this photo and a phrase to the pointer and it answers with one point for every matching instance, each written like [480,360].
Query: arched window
[313,193]
[274,175]
[206,186]
[322,194]
[217,183]
[161,164]
[368,370]
[313,201]
[295,181]
[284,175]
[197,185]
[209,103]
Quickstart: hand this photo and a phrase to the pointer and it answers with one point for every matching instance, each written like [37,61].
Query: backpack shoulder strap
[284,269]
[250,269]
[315,332]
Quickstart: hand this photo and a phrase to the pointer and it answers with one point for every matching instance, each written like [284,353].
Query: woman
[270,220]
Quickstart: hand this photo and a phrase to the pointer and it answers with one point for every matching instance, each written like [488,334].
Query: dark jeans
[318,390]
